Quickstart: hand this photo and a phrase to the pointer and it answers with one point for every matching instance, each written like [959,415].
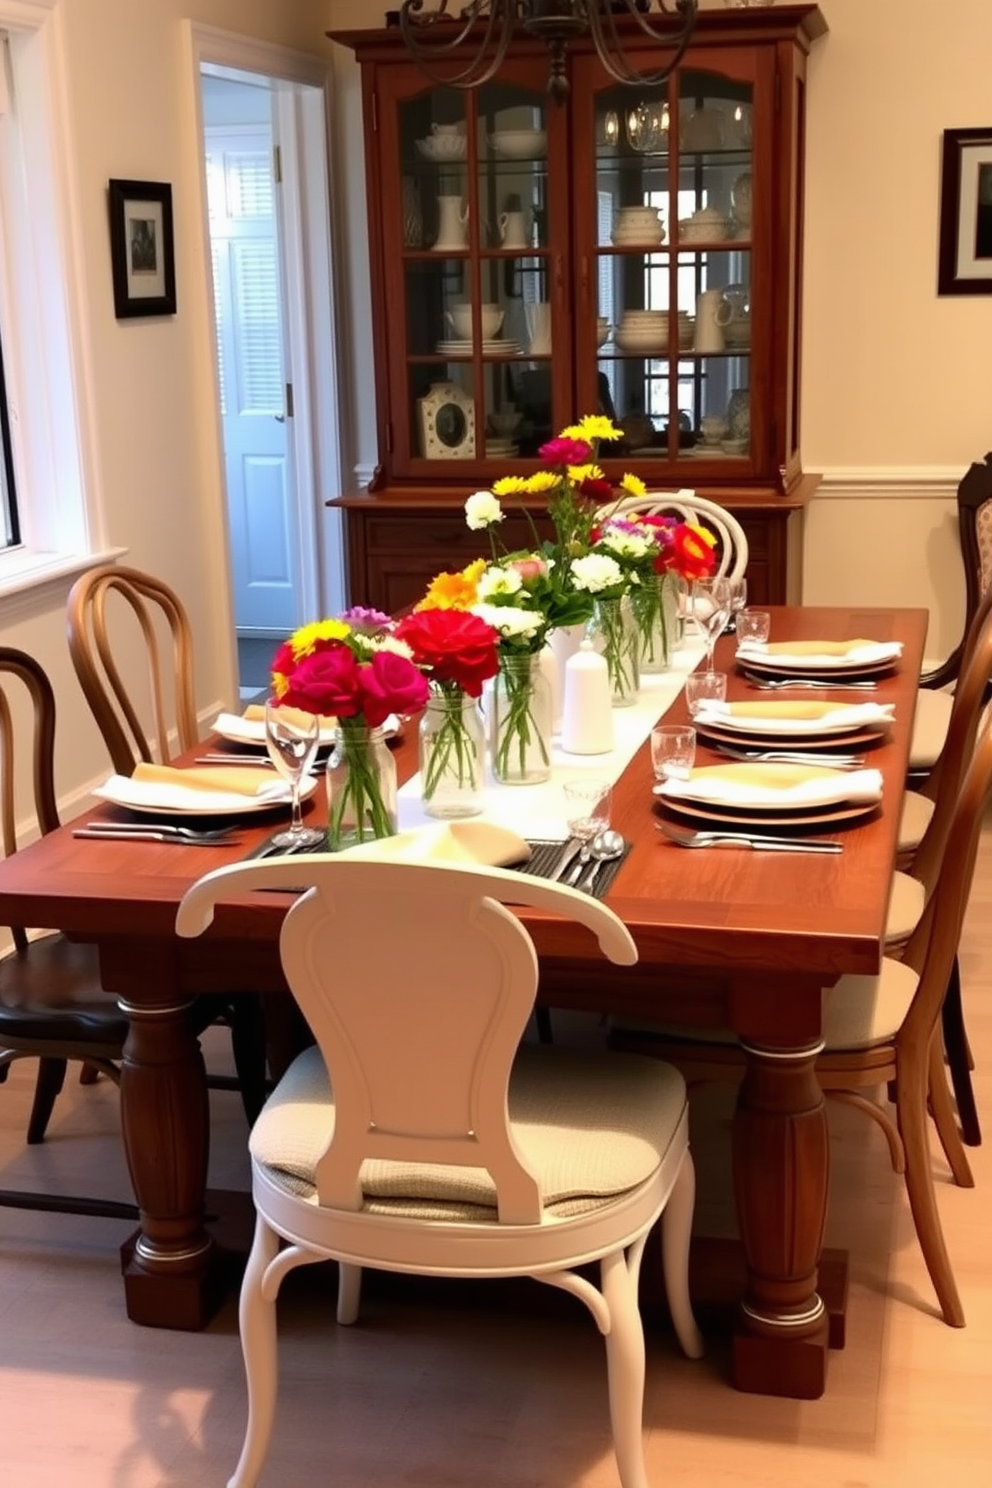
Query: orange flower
[453,591]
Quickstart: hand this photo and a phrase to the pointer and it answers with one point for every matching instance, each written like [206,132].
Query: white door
[254,393]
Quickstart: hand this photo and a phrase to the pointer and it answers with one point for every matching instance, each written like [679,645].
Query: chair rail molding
[895,482]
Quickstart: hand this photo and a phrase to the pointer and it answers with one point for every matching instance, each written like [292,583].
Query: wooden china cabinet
[635,251]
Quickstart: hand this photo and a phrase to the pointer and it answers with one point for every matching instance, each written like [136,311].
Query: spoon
[603,848]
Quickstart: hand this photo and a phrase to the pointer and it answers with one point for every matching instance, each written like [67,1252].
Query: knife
[149,834]
[572,848]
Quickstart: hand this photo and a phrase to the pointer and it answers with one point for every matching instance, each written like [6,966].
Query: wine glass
[291,737]
[711,600]
[738,599]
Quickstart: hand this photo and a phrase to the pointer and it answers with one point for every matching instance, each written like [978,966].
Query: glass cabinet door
[480,301]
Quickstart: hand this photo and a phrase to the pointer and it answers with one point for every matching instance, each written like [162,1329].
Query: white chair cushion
[930,724]
[589,1126]
[914,819]
[860,1011]
[906,905]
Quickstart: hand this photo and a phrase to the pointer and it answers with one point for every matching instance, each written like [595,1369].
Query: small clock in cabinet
[447,423]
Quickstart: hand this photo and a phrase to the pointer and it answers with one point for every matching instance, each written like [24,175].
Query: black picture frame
[142,252]
[965,266]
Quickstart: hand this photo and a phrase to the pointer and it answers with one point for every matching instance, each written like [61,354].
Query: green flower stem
[517,727]
[617,650]
[360,798]
[452,749]
[652,623]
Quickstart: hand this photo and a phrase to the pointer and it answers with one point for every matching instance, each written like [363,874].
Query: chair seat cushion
[930,725]
[51,993]
[860,1012]
[906,905]
[590,1127]
[914,819]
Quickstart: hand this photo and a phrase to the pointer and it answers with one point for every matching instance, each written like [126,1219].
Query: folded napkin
[768,784]
[781,716]
[478,842]
[820,653]
[238,780]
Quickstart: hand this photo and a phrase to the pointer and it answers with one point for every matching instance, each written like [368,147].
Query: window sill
[28,580]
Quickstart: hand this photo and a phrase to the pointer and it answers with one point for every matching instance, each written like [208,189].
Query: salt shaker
[587,715]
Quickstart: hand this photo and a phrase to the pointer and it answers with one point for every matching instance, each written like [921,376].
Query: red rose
[598,490]
[326,682]
[456,646]
[389,684]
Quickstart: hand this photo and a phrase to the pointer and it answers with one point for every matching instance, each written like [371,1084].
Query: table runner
[538,811]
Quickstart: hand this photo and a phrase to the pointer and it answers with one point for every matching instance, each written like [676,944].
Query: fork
[165,830]
[794,757]
[683,837]
[775,684]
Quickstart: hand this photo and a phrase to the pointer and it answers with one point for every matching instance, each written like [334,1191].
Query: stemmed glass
[738,599]
[711,601]
[291,737]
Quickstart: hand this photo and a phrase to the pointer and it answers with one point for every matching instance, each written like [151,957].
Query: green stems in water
[357,810]
[521,751]
[451,750]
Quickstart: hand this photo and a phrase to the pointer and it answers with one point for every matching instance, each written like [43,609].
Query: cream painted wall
[131,114]
[896,396]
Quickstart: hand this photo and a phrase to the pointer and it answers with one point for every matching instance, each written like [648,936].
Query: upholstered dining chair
[880,1030]
[419,1137]
[131,645]
[731,547]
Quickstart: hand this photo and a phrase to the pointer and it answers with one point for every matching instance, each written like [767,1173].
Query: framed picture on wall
[142,254]
[966,213]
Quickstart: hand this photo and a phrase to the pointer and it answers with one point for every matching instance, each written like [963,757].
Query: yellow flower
[633,485]
[580,473]
[304,640]
[509,485]
[704,532]
[592,427]
[454,591]
[539,482]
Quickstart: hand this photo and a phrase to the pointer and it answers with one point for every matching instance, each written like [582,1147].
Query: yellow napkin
[255,713]
[781,708]
[815,648]
[480,842]
[238,780]
[765,775]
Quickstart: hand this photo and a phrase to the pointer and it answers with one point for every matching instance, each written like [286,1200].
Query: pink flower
[326,682]
[565,452]
[529,568]
[390,684]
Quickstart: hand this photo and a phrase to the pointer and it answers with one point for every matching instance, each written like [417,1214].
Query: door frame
[301,110]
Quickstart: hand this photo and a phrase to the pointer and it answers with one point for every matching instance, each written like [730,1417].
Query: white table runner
[538,811]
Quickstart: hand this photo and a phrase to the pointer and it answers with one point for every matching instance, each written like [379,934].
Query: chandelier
[485,28]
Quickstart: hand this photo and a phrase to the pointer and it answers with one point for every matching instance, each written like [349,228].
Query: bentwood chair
[880,1030]
[131,645]
[731,544]
[419,1137]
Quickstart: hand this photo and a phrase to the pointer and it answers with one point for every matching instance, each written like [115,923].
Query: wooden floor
[497,1386]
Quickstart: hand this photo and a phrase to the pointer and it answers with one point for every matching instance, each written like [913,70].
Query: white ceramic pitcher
[513,230]
[712,314]
[452,224]
[538,316]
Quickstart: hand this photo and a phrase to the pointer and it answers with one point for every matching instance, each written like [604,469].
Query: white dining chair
[732,546]
[419,1136]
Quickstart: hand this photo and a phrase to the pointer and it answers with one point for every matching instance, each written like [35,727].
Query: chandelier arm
[426,53]
[610,50]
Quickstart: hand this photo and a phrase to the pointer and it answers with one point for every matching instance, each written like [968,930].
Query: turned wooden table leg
[781,1169]
[170,1278]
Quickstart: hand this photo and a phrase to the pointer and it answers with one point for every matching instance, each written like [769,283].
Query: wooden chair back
[153,714]
[975,532]
[23,683]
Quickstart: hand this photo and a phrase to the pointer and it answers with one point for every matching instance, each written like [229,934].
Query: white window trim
[43,314]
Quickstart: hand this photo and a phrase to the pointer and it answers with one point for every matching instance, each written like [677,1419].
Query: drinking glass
[704,687]
[711,599]
[673,751]
[587,807]
[291,737]
[754,626]
[738,599]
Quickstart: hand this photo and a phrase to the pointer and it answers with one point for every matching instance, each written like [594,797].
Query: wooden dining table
[750,941]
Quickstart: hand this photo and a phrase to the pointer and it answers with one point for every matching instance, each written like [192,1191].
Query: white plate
[870,653]
[238,730]
[155,799]
[452,148]
[836,718]
[465,348]
[774,785]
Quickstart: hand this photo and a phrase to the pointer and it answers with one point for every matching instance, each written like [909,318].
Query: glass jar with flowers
[457,651]
[683,552]
[355,668]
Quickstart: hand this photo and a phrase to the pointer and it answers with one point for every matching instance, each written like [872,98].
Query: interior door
[244,238]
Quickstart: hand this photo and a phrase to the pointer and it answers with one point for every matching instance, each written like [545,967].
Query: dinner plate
[861,738]
[492,346]
[153,799]
[239,730]
[777,717]
[696,814]
[863,657]
[767,786]
[818,673]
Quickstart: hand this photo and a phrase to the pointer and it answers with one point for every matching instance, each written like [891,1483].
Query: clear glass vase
[452,754]
[361,787]
[615,635]
[655,608]
[521,722]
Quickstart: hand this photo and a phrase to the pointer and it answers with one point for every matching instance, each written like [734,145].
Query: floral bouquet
[355,668]
[682,552]
[458,652]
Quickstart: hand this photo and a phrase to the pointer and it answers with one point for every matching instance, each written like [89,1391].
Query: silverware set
[113,831]
[794,757]
[776,684]
[754,841]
